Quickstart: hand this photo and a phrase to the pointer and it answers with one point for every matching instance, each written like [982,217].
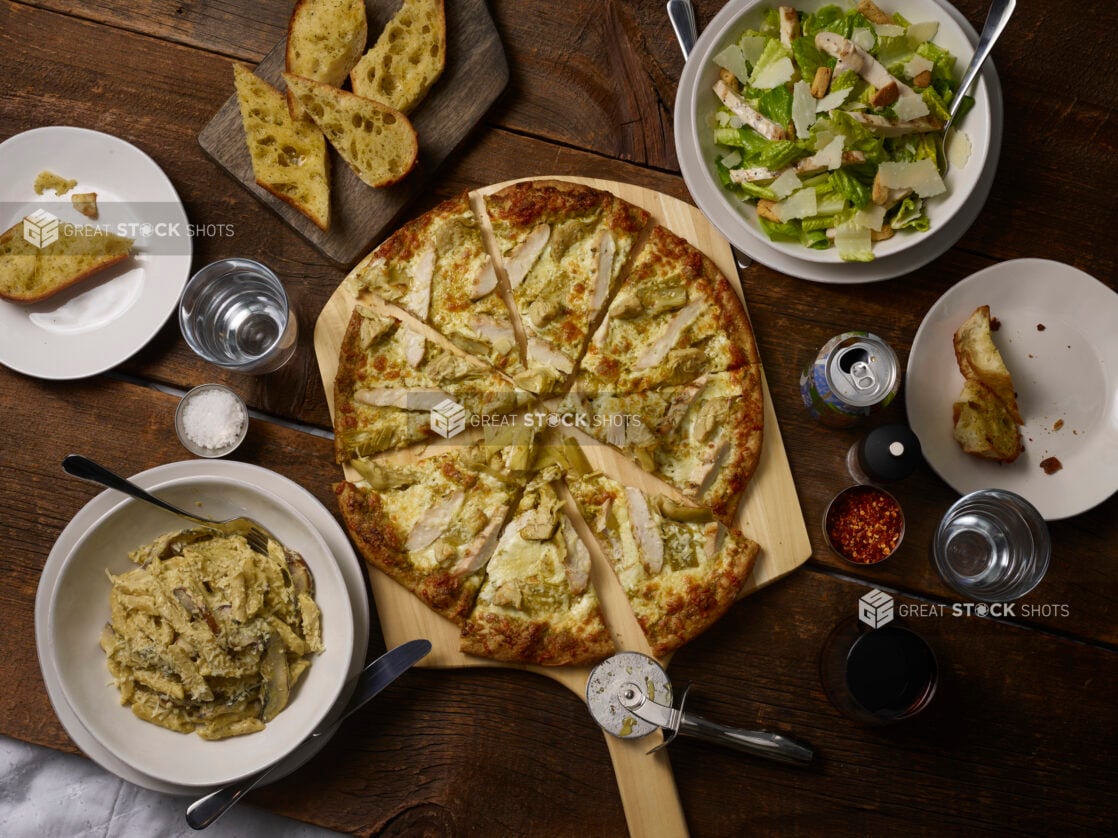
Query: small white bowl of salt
[211,420]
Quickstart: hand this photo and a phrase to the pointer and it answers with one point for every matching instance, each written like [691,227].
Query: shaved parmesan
[777,73]
[785,185]
[732,159]
[888,30]
[802,204]
[751,47]
[921,176]
[917,65]
[803,108]
[722,119]
[831,155]
[958,149]
[853,243]
[863,38]
[832,100]
[908,108]
[733,59]
[918,33]
[872,217]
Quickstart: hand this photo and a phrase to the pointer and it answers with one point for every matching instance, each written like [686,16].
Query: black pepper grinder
[885,454]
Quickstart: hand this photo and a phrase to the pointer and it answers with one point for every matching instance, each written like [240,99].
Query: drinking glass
[992,545]
[235,313]
[878,675]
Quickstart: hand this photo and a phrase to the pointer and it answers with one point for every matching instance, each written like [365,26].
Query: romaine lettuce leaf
[856,192]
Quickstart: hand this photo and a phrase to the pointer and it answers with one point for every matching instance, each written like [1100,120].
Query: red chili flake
[865,524]
[995,324]
[1040,327]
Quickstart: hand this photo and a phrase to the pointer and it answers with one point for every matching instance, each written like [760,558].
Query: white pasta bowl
[696,106]
[79,609]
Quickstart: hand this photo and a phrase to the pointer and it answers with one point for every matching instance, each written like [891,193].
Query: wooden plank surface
[476,73]
[1020,736]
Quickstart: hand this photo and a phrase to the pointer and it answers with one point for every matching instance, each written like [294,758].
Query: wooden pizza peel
[769,514]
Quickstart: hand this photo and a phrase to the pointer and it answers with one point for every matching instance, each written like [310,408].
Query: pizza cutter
[630,696]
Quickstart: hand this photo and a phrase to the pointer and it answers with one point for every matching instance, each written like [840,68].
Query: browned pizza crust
[690,608]
[523,205]
[382,544]
[521,640]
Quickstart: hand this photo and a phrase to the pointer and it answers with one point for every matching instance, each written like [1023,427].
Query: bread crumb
[995,324]
[49,180]
[85,203]
[1040,327]
[1051,465]
[1058,424]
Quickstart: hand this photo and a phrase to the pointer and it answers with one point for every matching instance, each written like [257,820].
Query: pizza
[536,603]
[390,377]
[680,569]
[436,268]
[703,438]
[561,248]
[623,336]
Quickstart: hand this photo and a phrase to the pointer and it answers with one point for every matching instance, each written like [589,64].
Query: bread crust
[543,642]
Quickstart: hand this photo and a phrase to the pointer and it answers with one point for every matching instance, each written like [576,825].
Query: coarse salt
[213,419]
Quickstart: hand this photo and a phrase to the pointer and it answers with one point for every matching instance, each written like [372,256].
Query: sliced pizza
[536,604]
[704,437]
[563,247]
[680,569]
[436,268]
[431,525]
[674,317]
[390,378]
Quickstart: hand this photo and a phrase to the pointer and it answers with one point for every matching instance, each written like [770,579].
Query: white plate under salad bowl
[1058,338]
[950,214]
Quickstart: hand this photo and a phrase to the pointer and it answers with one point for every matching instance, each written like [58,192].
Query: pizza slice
[536,604]
[704,437]
[680,569]
[674,317]
[562,247]
[431,525]
[391,378]
[436,268]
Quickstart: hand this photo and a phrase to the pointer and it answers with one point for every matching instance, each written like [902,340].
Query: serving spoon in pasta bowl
[255,533]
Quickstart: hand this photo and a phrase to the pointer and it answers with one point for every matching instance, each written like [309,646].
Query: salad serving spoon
[996,19]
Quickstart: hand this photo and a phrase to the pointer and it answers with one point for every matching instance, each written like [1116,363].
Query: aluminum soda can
[853,375]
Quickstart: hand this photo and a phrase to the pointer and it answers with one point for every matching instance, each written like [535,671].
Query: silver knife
[370,681]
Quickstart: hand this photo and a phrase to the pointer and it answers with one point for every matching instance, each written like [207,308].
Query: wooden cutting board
[476,73]
[770,514]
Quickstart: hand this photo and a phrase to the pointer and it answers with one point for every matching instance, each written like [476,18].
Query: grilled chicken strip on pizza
[437,269]
[680,569]
[389,379]
[563,247]
[536,604]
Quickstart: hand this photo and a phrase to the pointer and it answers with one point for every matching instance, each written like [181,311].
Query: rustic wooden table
[1023,732]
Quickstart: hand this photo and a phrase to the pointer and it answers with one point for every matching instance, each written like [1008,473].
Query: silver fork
[254,532]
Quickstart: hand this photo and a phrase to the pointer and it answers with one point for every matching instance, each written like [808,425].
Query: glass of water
[992,545]
[235,313]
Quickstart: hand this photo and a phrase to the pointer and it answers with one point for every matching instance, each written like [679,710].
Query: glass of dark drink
[878,675]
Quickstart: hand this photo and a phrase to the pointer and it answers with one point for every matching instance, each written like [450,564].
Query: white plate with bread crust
[103,320]
[1058,338]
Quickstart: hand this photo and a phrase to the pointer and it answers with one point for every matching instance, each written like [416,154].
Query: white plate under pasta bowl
[950,214]
[78,608]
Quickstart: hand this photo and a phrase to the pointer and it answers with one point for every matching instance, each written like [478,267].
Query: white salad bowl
[696,106]
[79,608]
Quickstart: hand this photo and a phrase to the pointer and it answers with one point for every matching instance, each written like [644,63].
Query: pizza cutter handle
[756,742]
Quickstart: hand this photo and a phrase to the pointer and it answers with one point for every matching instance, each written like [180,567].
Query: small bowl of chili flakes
[864,524]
